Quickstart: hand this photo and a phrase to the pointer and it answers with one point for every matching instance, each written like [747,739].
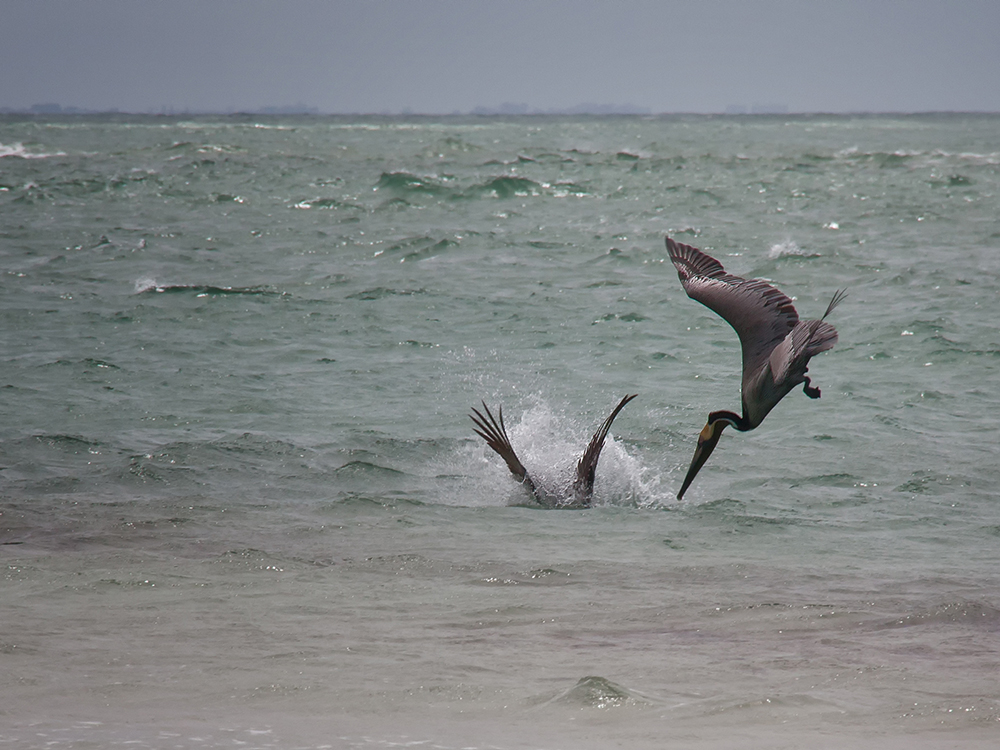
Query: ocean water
[242,505]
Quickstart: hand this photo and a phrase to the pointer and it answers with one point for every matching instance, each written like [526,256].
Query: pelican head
[707,440]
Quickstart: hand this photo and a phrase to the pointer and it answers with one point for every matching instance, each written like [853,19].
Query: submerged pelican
[776,345]
[495,434]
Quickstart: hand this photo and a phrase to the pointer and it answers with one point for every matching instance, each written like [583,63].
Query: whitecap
[146,284]
[782,249]
[18,149]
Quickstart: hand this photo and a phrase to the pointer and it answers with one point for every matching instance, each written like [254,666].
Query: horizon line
[50,110]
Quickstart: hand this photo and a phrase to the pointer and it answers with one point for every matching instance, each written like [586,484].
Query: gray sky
[440,56]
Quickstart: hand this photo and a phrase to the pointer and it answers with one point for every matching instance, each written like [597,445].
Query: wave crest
[19,150]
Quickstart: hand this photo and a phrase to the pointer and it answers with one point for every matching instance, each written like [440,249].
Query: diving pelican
[776,345]
[495,434]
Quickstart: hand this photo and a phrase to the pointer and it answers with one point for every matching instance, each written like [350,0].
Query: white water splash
[550,444]
[146,284]
[783,249]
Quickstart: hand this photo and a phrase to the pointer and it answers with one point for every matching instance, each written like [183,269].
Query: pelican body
[493,431]
[777,346]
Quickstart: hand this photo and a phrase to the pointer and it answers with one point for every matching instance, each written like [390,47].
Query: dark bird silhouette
[493,431]
[776,345]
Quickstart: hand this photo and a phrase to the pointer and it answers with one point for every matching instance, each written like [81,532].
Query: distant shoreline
[479,112]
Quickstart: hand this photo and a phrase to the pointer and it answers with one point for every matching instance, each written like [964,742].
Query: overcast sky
[441,56]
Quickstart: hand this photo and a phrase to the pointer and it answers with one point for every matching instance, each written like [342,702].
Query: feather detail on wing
[761,315]
[791,357]
[806,340]
[838,297]
[495,434]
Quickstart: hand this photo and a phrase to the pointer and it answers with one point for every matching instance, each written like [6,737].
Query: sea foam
[18,149]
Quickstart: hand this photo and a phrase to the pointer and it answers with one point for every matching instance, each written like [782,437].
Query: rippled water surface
[241,502]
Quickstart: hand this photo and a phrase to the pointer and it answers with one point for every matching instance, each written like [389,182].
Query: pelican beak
[707,441]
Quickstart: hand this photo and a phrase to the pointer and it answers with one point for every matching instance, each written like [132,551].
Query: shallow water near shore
[241,502]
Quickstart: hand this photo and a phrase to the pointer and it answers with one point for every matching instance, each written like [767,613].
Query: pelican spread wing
[586,468]
[761,315]
[495,434]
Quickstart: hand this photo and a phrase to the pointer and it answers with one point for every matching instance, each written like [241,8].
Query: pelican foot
[810,392]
